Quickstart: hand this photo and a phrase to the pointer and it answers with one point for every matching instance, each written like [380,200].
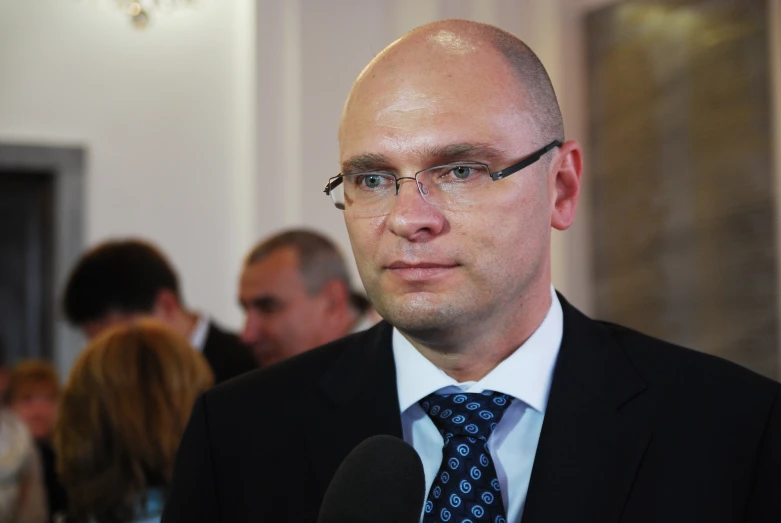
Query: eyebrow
[431,156]
[366,163]
[464,151]
[259,302]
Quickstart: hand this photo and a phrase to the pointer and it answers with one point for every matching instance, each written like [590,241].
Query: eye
[371,181]
[462,172]
[266,305]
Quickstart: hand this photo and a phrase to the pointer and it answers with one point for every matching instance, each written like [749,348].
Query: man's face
[429,269]
[37,407]
[282,319]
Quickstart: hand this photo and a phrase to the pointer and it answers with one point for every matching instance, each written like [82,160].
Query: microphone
[380,481]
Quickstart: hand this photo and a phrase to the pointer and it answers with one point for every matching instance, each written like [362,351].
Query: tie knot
[467,414]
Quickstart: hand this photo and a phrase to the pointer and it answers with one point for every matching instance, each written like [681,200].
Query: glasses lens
[455,185]
[363,192]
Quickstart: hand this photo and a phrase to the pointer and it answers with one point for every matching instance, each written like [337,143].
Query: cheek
[365,234]
[509,233]
[292,325]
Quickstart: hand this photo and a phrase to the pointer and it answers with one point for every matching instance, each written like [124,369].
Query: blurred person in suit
[455,170]
[123,411]
[295,292]
[34,394]
[121,280]
[22,496]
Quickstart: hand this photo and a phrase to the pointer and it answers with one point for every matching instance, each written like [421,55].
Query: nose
[411,217]
[252,332]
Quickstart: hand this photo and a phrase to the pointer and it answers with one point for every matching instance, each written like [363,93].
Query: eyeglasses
[454,185]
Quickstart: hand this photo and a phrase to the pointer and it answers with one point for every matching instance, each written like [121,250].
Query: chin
[422,314]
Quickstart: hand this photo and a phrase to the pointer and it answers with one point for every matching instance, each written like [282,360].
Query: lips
[420,265]
[420,271]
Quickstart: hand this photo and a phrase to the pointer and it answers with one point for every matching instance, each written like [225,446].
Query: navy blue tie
[466,489]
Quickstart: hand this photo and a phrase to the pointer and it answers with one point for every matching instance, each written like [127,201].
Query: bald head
[460,47]
[452,255]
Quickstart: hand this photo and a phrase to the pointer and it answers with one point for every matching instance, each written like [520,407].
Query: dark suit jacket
[56,496]
[636,430]
[227,356]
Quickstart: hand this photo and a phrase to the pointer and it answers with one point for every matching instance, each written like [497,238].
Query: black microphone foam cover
[380,481]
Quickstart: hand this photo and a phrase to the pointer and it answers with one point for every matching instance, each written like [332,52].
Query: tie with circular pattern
[466,489]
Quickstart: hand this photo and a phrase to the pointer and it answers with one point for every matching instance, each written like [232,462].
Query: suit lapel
[595,429]
[358,400]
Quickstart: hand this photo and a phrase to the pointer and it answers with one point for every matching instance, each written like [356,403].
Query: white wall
[165,114]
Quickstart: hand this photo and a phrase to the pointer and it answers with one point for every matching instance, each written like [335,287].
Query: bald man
[455,169]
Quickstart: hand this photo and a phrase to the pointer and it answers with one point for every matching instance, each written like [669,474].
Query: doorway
[26,253]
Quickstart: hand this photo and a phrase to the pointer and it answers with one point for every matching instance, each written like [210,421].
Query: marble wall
[682,195]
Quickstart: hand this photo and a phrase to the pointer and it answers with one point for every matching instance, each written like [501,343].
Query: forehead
[278,272]
[425,102]
[35,387]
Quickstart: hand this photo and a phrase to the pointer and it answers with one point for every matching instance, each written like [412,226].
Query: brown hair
[123,413]
[33,375]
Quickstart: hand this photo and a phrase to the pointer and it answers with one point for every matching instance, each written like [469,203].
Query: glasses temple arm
[498,175]
[332,184]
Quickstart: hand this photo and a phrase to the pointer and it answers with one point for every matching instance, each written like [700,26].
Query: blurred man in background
[295,291]
[122,280]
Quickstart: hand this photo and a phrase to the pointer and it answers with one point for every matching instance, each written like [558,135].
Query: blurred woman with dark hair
[123,413]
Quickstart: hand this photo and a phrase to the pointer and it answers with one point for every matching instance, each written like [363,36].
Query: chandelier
[141,11]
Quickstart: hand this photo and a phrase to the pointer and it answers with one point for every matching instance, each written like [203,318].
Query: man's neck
[471,355]
[185,323]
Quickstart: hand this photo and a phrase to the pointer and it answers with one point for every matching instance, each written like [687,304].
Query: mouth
[420,271]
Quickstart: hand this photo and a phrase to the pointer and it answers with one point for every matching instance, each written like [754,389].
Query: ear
[336,296]
[566,171]
[167,305]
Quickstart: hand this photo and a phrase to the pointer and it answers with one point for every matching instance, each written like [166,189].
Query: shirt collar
[200,332]
[364,322]
[526,374]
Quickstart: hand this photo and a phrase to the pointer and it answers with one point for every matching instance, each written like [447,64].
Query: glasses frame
[534,157]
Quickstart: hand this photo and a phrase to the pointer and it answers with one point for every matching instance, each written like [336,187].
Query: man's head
[295,291]
[450,92]
[118,281]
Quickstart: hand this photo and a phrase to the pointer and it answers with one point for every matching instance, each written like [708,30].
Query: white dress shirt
[525,375]
[200,332]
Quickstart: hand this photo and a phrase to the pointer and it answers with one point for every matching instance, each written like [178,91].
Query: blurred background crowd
[103,445]
[163,227]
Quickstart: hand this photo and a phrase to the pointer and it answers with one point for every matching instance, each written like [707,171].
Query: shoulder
[663,364]
[217,334]
[656,353]
[222,346]
[297,376]
[604,354]
[16,443]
